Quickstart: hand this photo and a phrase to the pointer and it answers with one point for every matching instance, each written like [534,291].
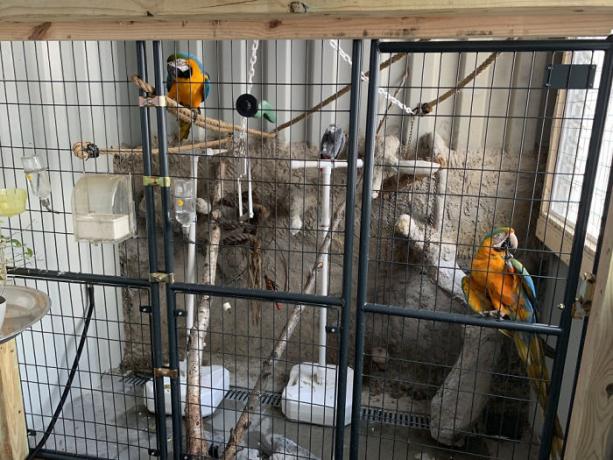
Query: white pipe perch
[215,377]
[296,207]
[310,395]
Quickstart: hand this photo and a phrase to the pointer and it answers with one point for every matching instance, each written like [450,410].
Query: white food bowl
[214,384]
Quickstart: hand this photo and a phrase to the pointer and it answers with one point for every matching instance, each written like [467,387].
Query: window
[570,138]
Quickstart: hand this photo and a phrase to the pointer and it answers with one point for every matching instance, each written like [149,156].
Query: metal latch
[585,295]
[160,181]
[165,372]
[152,101]
[570,76]
[161,277]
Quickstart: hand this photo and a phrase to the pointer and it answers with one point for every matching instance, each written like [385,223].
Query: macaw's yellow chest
[187,92]
[489,271]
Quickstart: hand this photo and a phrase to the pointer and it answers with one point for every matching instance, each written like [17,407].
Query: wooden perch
[188,115]
[85,149]
[244,421]
[196,442]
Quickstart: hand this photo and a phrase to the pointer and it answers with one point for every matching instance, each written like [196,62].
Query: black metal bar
[369,153]
[258,294]
[156,320]
[52,455]
[354,120]
[169,257]
[574,267]
[458,318]
[494,45]
[80,278]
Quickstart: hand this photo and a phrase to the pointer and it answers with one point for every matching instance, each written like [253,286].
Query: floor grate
[133,379]
[369,414]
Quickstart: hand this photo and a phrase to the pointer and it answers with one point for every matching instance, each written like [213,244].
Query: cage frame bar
[156,319]
[459,318]
[173,342]
[579,237]
[580,230]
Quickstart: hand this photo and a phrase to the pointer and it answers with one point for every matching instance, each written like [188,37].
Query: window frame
[556,234]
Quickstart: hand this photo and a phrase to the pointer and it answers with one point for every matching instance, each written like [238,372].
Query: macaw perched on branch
[499,285]
[188,84]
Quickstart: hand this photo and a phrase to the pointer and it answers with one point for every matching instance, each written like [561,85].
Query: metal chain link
[345,57]
[241,139]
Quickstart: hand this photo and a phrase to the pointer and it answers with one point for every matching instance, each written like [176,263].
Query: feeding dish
[214,384]
[24,307]
[103,208]
[12,201]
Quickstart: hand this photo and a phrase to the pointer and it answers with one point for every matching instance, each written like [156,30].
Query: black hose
[73,371]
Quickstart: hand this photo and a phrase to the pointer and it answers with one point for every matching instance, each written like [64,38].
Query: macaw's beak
[511,242]
[179,68]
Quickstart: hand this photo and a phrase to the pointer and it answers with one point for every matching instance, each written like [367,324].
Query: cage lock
[160,181]
[161,277]
[165,372]
[585,295]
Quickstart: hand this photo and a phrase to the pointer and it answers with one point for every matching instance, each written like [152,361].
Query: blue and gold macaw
[188,84]
[499,285]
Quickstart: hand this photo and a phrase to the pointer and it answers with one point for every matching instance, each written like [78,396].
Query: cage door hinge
[152,101]
[585,295]
[165,372]
[161,277]
[570,76]
[160,181]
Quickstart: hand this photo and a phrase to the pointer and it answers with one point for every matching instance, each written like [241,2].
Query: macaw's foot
[497,314]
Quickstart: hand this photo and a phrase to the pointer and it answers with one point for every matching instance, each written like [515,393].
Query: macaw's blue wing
[528,291]
[527,281]
[207,86]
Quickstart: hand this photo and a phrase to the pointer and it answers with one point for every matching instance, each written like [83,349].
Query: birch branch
[196,442]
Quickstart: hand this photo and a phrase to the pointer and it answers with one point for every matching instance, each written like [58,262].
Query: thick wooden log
[13,435]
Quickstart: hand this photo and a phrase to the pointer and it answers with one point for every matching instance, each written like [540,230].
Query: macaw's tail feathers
[531,352]
[184,128]
[558,441]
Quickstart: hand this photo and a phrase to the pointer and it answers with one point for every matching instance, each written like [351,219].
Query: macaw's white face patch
[180,64]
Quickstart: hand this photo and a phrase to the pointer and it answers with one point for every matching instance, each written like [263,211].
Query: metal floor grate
[134,379]
[369,414]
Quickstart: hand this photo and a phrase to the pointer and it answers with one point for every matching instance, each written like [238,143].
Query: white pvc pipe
[323,163]
[190,275]
[325,166]
[324,226]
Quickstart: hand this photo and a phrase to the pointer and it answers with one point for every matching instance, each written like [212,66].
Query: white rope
[242,141]
[345,57]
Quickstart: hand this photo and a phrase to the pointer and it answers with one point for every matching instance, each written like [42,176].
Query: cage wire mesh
[255,234]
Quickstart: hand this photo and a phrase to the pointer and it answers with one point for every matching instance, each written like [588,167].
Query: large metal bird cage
[458,137]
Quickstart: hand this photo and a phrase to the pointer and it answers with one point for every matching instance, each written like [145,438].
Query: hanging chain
[241,138]
[345,57]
